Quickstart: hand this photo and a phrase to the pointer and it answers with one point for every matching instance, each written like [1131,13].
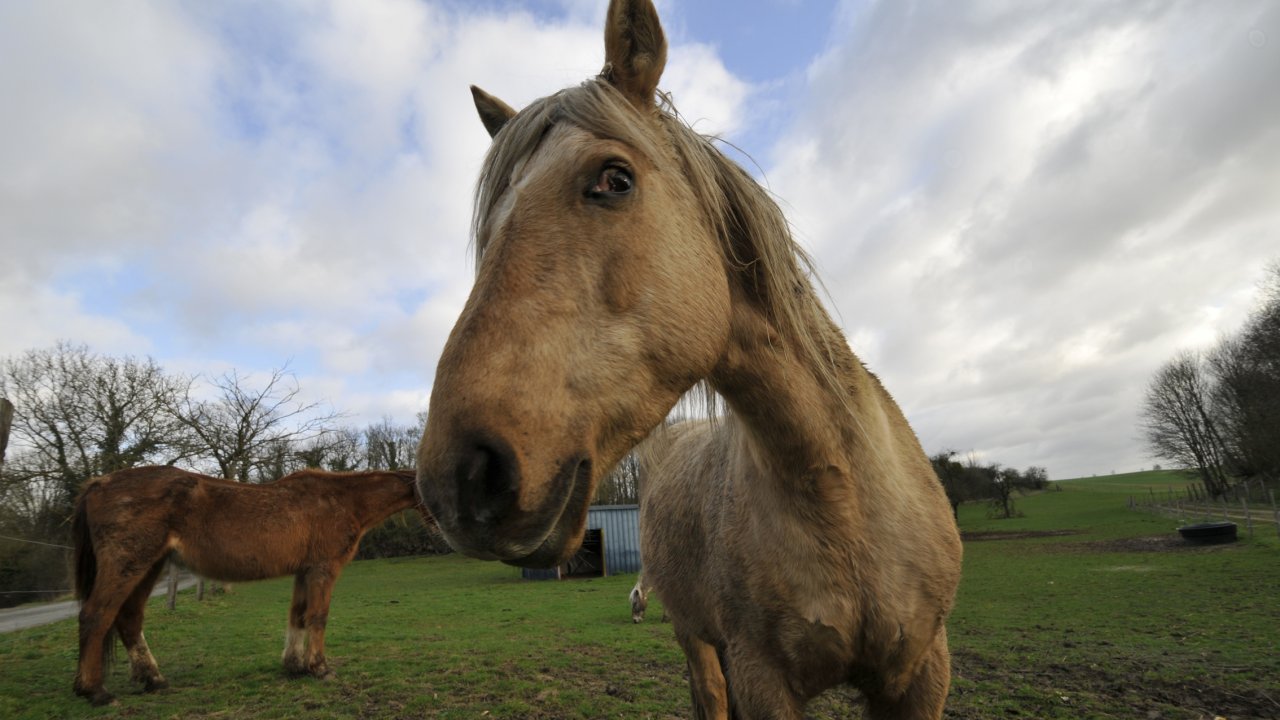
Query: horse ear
[635,50]
[493,112]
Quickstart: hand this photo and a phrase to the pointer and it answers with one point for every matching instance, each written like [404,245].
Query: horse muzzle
[475,495]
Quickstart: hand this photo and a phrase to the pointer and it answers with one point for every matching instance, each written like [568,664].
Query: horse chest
[816,655]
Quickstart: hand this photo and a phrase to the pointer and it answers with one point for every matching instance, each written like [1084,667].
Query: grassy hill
[1079,609]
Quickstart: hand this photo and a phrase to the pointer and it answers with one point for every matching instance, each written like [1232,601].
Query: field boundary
[1259,514]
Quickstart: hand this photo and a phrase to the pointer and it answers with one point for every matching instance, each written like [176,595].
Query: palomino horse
[800,542]
[307,524]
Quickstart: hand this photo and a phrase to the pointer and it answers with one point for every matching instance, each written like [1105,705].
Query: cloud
[238,184]
[1019,210]
[1022,210]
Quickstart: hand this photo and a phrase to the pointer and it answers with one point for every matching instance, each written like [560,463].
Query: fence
[1251,503]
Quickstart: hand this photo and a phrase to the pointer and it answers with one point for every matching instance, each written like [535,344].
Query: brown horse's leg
[926,693]
[295,637]
[93,627]
[142,664]
[706,679]
[319,591]
[98,612]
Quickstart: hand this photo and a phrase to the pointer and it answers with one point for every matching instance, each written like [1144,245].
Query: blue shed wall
[621,526]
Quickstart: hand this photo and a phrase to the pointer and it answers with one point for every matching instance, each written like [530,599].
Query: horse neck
[806,427]
[379,495]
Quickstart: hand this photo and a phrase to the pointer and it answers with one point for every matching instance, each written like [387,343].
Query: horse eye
[613,180]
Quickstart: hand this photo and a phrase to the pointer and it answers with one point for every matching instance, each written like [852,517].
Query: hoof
[156,683]
[98,697]
[323,673]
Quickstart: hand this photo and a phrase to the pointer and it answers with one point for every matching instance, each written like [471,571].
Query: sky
[1019,210]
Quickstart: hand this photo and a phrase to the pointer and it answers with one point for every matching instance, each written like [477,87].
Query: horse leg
[295,633]
[639,601]
[757,690]
[111,589]
[319,591]
[924,695]
[706,678]
[142,664]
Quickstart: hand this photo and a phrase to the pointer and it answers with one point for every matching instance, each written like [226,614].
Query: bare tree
[1178,423]
[622,485]
[243,428]
[391,446]
[1246,370]
[960,483]
[79,414]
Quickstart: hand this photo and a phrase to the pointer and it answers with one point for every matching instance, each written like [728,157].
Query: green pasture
[1114,620]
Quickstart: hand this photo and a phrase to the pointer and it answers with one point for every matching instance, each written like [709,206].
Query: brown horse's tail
[86,560]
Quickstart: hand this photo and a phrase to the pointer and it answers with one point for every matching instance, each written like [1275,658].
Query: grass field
[1113,620]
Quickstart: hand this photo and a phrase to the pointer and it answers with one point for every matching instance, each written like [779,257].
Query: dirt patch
[1152,543]
[1102,692]
[979,536]
[983,689]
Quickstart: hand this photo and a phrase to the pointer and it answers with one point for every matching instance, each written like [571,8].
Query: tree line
[1218,412]
[76,414]
[964,480]
[969,480]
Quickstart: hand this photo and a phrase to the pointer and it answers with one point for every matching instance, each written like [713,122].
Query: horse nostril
[488,484]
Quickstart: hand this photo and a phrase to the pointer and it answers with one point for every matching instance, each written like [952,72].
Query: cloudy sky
[1019,209]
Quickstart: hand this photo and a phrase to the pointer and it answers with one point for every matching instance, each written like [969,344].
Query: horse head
[601,296]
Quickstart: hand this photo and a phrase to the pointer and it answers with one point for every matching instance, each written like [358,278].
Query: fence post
[1248,519]
[1224,507]
[6,422]
[1275,512]
[172,600]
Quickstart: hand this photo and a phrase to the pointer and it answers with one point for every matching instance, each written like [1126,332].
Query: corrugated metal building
[612,546]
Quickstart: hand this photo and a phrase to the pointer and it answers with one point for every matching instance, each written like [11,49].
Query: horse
[308,524]
[798,538]
[640,599]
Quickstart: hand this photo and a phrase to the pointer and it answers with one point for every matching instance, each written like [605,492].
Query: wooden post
[6,423]
[1248,519]
[172,601]
[199,588]
[1275,512]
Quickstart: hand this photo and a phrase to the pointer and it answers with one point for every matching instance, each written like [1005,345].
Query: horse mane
[771,269]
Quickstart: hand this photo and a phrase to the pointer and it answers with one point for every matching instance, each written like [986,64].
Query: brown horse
[801,541]
[307,524]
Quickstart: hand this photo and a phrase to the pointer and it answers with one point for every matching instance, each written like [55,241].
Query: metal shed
[612,546]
